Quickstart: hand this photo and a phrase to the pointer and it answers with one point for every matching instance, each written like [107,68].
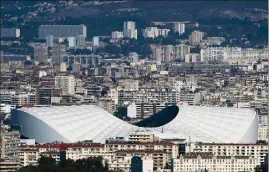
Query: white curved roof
[89,122]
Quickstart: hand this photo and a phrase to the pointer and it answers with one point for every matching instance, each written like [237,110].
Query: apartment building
[10,145]
[10,32]
[196,37]
[44,95]
[142,136]
[141,164]
[129,30]
[41,53]
[9,150]
[233,55]
[29,155]
[9,166]
[150,32]
[123,158]
[253,150]
[179,28]
[66,83]
[153,96]
[117,35]
[168,53]
[61,31]
[192,162]
[170,148]
[263,132]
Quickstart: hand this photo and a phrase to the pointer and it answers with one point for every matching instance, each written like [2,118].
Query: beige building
[142,136]
[170,148]
[28,156]
[193,162]
[256,151]
[263,133]
[63,67]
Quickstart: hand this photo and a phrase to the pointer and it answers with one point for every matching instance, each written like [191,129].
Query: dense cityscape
[132,92]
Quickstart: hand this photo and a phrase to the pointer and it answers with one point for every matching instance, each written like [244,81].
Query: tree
[258,168]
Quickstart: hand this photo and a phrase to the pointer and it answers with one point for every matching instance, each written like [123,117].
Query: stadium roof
[89,122]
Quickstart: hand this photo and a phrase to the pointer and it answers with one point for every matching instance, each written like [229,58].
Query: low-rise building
[256,151]
[192,162]
[142,136]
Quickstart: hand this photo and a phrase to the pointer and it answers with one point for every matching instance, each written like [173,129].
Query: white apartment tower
[179,27]
[95,41]
[66,83]
[196,37]
[150,32]
[72,41]
[168,53]
[158,55]
[49,40]
[129,30]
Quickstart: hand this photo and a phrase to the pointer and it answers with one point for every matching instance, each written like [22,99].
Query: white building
[193,162]
[66,83]
[150,32]
[141,165]
[131,110]
[116,35]
[158,55]
[256,151]
[61,31]
[179,27]
[129,25]
[163,32]
[168,53]
[95,41]
[49,40]
[81,41]
[72,41]
[192,57]
[10,32]
[196,37]
[180,50]
[132,33]
[232,55]
[129,30]
[263,133]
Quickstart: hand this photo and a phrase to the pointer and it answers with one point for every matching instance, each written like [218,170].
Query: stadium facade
[89,122]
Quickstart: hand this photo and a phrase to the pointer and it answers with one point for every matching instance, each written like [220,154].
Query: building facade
[61,30]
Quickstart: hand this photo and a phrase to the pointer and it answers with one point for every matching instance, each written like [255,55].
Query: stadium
[89,122]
